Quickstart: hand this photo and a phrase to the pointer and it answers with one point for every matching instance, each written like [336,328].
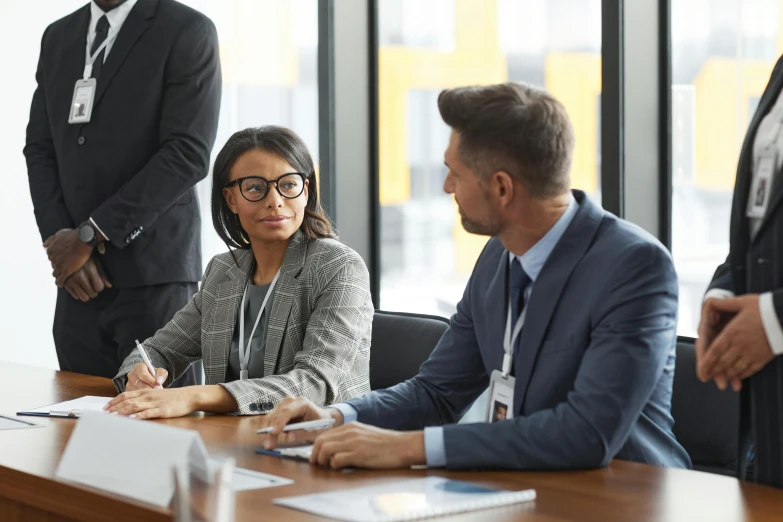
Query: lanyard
[244,356]
[509,338]
[91,59]
[774,133]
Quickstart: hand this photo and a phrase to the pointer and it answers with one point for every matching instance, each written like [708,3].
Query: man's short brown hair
[512,127]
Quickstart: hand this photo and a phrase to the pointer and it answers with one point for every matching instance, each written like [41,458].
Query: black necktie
[517,282]
[101,32]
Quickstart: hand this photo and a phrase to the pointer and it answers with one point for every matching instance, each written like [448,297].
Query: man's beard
[108,5]
[475,227]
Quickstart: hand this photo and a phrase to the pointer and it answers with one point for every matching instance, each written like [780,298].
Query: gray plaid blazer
[318,339]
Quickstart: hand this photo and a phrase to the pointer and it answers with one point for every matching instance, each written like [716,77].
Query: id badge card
[83,97]
[761,187]
[501,397]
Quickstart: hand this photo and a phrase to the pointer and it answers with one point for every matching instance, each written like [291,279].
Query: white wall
[274,83]
[28,290]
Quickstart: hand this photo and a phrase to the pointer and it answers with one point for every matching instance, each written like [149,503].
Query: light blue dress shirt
[532,262]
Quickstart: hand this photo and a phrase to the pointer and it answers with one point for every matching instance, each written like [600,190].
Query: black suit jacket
[756,266]
[747,261]
[133,167]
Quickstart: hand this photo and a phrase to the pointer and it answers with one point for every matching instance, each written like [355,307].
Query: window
[722,54]
[429,45]
[269,59]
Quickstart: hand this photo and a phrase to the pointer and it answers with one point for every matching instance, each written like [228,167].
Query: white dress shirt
[116,17]
[769,317]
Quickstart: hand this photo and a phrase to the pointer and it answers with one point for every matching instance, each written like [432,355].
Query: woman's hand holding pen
[140,378]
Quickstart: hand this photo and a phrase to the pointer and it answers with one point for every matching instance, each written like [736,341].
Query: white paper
[9,423]
[129,457]
[81,405]
[301,452]
[246,479]
[404,500]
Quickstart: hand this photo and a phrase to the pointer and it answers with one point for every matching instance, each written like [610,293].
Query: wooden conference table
[623,491]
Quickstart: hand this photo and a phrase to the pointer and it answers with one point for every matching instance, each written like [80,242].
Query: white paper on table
[247,479]
[405,500]
[130,457]
[82,404]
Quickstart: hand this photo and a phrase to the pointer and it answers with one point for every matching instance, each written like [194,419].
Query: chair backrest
[401,342]
[706,420]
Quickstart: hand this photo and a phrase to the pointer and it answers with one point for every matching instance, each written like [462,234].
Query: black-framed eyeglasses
[255,188]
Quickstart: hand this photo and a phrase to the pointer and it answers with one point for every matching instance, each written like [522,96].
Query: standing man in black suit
[121,128]
[740,334]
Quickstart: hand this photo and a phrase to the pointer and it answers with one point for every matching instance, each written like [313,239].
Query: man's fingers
[72,291]
[727,364]
[95,279]
[716,350]
[102,274]
[720,382]
[84,282]
[752,369]
[81,295]
[736,384]
[288,410]
[342,459]
[730,304]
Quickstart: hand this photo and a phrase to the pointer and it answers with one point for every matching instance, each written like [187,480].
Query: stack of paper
[405,500]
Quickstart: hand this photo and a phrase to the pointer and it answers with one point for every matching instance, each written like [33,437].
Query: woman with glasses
[286,311]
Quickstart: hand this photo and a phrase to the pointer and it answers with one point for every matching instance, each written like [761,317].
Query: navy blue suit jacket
[595,366]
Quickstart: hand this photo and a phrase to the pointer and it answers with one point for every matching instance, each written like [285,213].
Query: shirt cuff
[435,447]
[99,229]
[349,412]
[771,322]
[718,293]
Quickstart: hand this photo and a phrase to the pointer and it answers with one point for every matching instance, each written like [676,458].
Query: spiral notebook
[413,499]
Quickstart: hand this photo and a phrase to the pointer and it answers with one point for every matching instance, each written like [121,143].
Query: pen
[147,361]
[314,425]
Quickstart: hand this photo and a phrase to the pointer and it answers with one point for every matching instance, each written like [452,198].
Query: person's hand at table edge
[289,411]
[359,445]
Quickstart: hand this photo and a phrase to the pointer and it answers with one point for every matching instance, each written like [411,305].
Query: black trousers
[95,337]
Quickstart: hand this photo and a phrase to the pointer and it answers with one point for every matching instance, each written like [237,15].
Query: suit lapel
[228,299]
[740,234]
[74,50]
[138,21]
[547,289]
[285,293]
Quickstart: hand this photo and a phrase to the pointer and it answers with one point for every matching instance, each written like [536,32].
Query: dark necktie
[101,32]
[518,280]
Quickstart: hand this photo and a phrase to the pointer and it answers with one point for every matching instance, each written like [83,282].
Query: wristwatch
[87,235]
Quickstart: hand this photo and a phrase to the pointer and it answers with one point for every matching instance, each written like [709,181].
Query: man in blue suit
[591,369]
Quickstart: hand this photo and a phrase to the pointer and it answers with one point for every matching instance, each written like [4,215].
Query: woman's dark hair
[286,144]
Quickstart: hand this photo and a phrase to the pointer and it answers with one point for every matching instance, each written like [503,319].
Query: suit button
[81,140]
[268,406]
[254,407]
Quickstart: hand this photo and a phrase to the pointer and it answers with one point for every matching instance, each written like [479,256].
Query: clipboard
[69,409]
[300,453]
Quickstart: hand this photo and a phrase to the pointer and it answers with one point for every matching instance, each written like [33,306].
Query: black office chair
[401,342]
[706,420]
